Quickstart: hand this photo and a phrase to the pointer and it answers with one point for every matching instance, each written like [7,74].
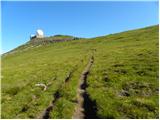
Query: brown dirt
[82,110]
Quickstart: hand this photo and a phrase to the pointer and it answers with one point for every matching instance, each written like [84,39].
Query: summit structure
[39,34]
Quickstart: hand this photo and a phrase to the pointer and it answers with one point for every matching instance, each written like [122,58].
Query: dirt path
[56,96]
[70,74]
[46,113]
[85,108]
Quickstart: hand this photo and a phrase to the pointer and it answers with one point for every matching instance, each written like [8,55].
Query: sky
[81,19]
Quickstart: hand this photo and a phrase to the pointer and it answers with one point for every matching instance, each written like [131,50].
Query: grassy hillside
[121,83]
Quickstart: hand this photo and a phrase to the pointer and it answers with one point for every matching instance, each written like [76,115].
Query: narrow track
[56,96]
[46,113]
[85,108]
[70,74]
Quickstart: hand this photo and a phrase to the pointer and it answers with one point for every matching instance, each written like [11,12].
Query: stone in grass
[124,93]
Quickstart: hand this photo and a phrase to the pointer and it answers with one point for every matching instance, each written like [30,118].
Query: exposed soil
[46,113]
[70,74]
[85,108]
[56,96]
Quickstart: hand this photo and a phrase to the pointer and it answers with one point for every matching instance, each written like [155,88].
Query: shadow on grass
[90,107]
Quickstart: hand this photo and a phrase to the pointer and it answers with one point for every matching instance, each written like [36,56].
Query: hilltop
[112,76]
[35,42]
[52,39]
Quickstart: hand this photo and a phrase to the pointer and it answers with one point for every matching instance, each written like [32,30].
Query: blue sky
[81,19]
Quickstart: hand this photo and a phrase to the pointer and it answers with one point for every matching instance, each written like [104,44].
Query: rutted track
[70,74]
[46,113]
[85,108]
[56,96]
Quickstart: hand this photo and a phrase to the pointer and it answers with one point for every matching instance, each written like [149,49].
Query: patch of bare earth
[85,108]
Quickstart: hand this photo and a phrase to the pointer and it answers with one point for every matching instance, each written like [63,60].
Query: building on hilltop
[39,34]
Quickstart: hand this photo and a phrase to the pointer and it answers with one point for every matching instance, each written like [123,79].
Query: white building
[39,33]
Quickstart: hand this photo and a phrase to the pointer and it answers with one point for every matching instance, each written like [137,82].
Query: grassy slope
[123,80]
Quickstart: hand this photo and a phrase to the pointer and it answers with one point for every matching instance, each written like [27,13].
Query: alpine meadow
[106,77]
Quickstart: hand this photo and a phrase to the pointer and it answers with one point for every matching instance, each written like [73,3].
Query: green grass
[123,79]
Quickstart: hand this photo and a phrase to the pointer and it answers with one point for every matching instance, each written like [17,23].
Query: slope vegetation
[113,76]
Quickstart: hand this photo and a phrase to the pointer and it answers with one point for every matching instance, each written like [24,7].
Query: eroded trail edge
[46,113]
[56,96]
[85,108]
